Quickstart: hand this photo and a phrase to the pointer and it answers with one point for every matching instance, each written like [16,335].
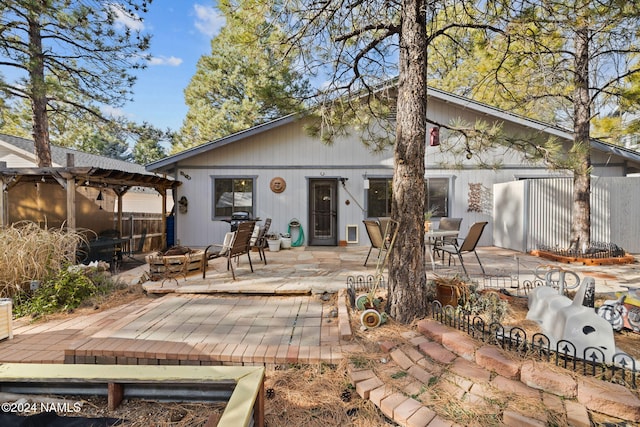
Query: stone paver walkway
[282,313]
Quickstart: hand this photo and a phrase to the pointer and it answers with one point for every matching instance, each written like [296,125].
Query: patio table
[430,238]
[103,249]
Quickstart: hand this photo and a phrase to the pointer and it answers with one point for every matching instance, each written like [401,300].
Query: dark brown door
[323,213]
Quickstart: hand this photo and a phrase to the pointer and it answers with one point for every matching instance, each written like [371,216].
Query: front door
[323,212]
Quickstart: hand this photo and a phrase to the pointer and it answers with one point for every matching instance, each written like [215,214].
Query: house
[277,170]
[101,184]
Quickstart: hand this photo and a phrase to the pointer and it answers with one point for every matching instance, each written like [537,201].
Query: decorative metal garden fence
[623,369]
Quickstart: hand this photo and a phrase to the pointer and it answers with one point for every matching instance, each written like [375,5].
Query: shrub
[65,290]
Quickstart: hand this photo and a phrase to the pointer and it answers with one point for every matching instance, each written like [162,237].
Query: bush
[65,290]
[29,252]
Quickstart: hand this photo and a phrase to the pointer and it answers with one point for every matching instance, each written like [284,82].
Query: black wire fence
[623,369]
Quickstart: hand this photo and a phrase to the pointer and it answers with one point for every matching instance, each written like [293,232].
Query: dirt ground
[317,395]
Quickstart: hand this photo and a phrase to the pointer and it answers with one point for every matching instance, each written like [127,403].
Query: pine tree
[246,80]
[75,57]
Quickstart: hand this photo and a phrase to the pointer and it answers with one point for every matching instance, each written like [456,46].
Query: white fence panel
[543,207]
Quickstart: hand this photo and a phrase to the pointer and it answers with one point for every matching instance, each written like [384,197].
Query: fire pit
[596,254]
[175,261]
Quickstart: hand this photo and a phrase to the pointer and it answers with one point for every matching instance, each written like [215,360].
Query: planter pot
[451,293]
[274,245]
[286,242]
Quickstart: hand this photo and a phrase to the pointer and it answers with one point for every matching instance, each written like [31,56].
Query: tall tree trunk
[407,296]
[581,223]
[38,94]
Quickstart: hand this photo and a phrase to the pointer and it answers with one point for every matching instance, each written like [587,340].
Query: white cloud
[208,20]
[114,112]
[171,61]
[126,20]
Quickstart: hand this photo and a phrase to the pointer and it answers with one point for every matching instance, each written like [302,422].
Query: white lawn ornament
[563,319]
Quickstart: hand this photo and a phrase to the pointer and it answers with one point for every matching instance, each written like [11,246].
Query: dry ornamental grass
[29,252]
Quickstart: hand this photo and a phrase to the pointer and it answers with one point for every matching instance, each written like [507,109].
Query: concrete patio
[315,270]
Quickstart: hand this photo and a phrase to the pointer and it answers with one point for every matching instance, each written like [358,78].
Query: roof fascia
[169,163]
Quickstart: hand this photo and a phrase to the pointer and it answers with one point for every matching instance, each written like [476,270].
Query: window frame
[214,178]
[388,179]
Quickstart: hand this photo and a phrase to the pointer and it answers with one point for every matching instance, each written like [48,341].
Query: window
[437,191]
[380,190]
[379,197]
[232,195]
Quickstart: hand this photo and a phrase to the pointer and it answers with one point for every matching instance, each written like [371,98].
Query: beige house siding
[284,149]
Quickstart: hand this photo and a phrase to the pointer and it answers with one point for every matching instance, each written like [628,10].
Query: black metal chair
[447,224]
[468,245]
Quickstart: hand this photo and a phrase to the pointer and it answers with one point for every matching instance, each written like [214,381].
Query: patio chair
[448,224]
[468,245]
[379,240]
[261,241]
[240,245]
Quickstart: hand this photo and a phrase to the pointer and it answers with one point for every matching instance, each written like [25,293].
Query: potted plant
[427,220]
[273,240]
[285,239]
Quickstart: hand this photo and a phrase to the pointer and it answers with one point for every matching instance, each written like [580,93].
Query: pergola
[71,177]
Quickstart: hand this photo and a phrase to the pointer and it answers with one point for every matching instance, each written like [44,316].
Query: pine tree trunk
[38,95]
[407,280]
[581,222]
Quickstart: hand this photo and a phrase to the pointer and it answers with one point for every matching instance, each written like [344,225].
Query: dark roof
[87,169]
[59,156]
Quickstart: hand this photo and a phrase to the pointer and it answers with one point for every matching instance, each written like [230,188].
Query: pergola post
[71,203]
[3,200]
[163,193]
[71,195]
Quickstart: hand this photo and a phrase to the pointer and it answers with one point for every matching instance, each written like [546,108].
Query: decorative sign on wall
[277,185]
[480,198]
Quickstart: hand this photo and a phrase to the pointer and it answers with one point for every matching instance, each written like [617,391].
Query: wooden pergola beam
[70,177]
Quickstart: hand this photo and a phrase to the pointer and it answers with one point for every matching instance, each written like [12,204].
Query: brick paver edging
[475,372]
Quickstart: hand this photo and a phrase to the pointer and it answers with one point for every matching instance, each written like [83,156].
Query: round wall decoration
[277,185]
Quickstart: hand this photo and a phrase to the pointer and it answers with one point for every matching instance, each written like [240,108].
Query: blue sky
[181,33]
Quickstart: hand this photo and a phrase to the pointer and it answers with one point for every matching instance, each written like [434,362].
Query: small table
[430,238]
[104,249]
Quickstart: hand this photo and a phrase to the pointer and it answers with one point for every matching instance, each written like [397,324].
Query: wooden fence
[144,230]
